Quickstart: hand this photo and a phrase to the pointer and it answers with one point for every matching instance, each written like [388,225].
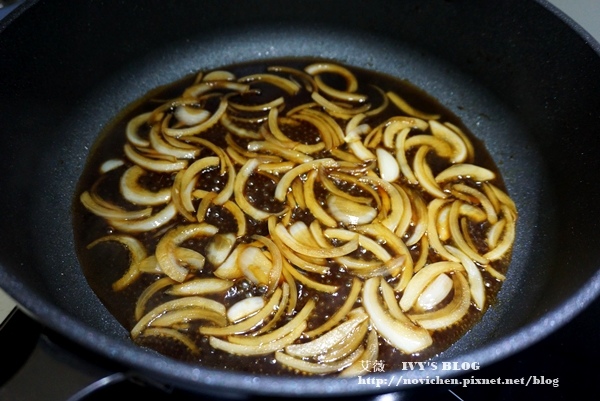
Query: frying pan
[518,73]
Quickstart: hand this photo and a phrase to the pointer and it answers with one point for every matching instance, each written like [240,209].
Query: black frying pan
[521,78]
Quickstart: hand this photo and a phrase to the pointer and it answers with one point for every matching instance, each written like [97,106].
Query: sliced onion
[287,85]
[137,253]
[133,192]
[339,95]
[334,108]
[200,286]
[191,115]
[349,212]
[435,292]
[308,189]
[158,219]
[405,168]
[111,165]
[465,170]
[331,132]
[133,127]
[245,308]
[240,189]
[408,109]
[423,278]
[149,292]
[424,175]
[261,349]
[322,344]
[167,244]
[237,130]
[180,303]
[285,183]
[180,317]
[249,323]
[160,165]
[439,146]
[389,170]
[298,320]
[230,268]
[367,358]
[220,247]
[307,281]
[456,142]
[451,313]
[204,87]
[433,209]
[172,147]
[398,124]
[404,336]
[101,208]
[199,128]
[476,284]
[318,367]
[458,237]
[508,237]
[283,234]
[320,68]
[255,265]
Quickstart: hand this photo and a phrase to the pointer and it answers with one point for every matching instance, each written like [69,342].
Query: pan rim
[55,319]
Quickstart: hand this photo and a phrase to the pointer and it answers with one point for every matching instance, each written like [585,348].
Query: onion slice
[406,337]
[167,244]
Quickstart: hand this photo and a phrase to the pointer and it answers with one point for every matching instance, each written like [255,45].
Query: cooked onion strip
[180,303]
[136,193]
[248,323]
[200,286]
[240,190]
[423,278]
[367,358]
[133,127]
[260,349]
[283,234]
[158,164]
[476,284]
[404,336]
[408,109]
[307,281]
[137,253]
[451,313]
[167,244]
[323,344]
[273,335]
[465,170]
[508,237]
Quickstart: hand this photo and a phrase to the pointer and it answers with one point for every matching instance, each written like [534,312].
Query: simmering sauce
[197,183]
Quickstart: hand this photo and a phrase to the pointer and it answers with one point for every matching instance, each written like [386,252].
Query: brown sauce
[106,262]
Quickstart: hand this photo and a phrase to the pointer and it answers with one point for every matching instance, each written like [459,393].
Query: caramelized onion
[368,203]
[167,244]
[403,335]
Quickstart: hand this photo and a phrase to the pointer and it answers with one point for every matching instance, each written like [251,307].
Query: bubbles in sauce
[293,217]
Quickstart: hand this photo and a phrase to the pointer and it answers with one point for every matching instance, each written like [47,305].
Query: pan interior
[538,137]
[491,122]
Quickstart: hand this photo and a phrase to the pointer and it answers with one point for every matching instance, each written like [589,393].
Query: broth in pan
[293,217]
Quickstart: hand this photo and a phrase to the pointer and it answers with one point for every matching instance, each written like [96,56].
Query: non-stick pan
[522,77]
